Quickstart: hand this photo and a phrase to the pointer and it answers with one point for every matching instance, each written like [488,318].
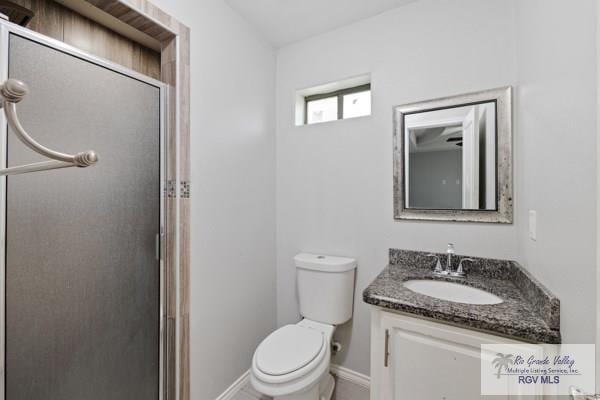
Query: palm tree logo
[502,361]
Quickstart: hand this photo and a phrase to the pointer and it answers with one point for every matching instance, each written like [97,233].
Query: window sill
[328,123]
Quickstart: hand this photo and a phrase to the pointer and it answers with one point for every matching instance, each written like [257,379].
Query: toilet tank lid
[319,262]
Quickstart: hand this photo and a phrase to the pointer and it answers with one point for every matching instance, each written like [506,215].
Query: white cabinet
[418,359]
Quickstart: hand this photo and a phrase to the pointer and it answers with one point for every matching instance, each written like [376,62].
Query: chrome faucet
[460,270]
[448,271]
[449,253]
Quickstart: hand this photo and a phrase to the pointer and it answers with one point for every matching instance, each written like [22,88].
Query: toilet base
[322,391]
[327,385]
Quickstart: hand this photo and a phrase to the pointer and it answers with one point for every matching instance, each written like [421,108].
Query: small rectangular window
[357,104]
[340,104]
[321,110]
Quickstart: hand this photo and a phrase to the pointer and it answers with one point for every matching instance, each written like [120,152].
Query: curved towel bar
[13,91]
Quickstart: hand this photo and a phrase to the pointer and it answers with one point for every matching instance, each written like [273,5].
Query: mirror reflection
[450,158]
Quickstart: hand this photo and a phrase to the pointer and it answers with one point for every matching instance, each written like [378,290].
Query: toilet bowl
[293,362]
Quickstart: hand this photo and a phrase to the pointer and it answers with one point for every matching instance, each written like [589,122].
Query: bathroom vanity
[428,346]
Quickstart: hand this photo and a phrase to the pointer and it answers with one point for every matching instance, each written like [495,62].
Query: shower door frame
[8,28]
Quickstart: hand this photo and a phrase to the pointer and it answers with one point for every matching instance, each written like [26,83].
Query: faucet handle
[460,270]
[438,265]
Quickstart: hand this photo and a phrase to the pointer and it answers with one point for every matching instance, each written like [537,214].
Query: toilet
[293,362]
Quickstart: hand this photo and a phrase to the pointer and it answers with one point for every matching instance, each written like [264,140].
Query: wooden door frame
[174,38]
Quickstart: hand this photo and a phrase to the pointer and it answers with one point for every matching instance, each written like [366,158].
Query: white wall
[334,180]
[556,152]
[597,198]
[233,193]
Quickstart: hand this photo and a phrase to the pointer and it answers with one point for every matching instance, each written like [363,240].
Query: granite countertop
[530,312]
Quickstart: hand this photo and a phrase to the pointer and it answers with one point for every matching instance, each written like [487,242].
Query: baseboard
[235,387]
[341,372]
[351,376]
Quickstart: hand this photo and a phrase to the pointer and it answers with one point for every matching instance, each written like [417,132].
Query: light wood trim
[59,22]
[143,16]
[110,22]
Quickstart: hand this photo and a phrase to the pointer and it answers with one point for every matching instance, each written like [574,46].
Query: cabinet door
[428,360]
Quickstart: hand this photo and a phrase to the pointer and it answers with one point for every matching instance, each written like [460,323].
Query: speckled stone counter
[530,312]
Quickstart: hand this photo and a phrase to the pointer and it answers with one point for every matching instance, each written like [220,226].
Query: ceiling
[286,21]
[444,138]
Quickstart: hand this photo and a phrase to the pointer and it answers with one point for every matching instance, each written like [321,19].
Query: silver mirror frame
[504,170]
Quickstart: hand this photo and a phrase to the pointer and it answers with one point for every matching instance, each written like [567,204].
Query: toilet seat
[292,348]
[274,346]
[289,349]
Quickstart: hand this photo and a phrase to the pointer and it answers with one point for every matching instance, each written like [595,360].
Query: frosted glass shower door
[82,265]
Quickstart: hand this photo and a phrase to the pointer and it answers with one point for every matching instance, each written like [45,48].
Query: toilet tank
[325,287]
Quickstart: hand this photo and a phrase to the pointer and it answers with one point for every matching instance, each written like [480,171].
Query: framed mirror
[453,158]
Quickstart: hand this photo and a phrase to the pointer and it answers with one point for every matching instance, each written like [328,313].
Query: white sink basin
[452,292]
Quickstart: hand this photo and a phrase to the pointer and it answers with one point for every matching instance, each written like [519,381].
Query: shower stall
[82,287]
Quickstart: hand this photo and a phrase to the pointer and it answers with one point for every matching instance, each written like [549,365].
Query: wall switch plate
[532,225]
